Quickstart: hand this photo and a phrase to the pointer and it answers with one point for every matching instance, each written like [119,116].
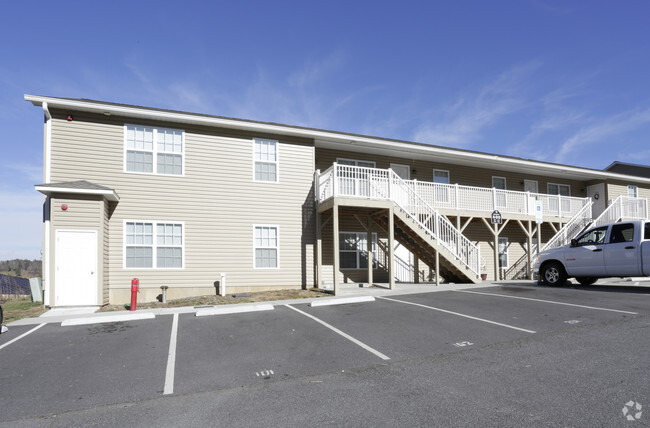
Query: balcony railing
[344,180]
[384,184]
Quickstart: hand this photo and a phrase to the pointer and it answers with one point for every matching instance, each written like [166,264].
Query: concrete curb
[234,309]
[110,318]
[341,301]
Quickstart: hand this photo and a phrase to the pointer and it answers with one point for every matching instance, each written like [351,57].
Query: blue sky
[559,81]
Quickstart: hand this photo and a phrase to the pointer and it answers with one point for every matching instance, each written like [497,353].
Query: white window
[353,250]
[156,245]
[265,154]
[562,190]
[632,191]
[149,150]
[266,243]
[499,183]
[441,193]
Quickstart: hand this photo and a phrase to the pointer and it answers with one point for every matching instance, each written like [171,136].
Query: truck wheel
[587,280]
[553,274]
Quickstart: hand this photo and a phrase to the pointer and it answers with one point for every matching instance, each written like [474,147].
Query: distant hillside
[22,268]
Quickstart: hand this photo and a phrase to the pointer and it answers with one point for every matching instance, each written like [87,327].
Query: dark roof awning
[81,187]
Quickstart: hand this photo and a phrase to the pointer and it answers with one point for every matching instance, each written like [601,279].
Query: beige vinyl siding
[216,199]
[465,176]
[82,213]
[616,189]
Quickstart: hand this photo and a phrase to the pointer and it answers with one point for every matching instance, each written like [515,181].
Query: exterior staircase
[418,226]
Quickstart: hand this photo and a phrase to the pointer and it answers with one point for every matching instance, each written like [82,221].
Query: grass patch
[212,300]
[22,307]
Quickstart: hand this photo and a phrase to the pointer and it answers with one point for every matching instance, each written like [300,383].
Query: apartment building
[188,200]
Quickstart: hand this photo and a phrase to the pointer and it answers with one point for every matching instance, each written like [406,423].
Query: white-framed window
[153,245]
[499,183]
[151,150]
[265,156]
[355,162]
[503,252]
[266,243]
[441,193]
[353,250]
[353,181]
[562,190]
[558,189]
[632,191]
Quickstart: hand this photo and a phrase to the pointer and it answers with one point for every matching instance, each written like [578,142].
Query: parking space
[65,368]
[235,350]
[404,331]
[539,314]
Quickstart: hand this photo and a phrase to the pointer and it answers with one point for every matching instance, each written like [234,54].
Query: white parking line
[22,335]
[460,315]
[347,336]
[548,301]
[171,359]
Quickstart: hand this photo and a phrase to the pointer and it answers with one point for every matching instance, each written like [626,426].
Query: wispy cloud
[605,130]
[460,123]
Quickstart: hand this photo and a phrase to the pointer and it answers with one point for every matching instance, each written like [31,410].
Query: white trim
[442,170]
[108,194]
[331,138]
[408,169]
[154,253]
[277,160]
[154,151]
[277,247]
[56,265]
[558,188]
[505,182]
[47,167]
[375,259]
[526,181]
[356,162]
[636,191]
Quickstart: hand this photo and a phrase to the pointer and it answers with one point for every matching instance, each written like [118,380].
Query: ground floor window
[266,247]
[353,250]
[503,253]
[156,245]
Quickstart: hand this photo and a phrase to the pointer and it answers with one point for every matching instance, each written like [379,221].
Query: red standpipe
[135,285]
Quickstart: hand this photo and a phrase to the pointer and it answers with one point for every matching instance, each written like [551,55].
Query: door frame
[95,267]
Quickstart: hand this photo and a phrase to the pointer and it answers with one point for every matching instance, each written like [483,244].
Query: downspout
[47,154]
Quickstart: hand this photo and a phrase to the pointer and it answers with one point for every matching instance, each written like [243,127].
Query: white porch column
[391,249]
[335,228]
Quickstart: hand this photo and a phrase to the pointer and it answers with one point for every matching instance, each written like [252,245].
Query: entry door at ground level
[75,268]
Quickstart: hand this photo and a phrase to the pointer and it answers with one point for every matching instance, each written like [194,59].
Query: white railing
[384,184]
[571,229]
[623,207]
[467,198]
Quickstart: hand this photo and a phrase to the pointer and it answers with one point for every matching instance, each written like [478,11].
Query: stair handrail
[464,250]
[574,226]
[620,209]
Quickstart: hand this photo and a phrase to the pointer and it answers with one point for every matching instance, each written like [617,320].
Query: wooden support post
[370,253]
[416,269]
[335,229]
[319,251]
[437,268]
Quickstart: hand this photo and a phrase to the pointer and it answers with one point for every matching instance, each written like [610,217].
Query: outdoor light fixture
[69,119]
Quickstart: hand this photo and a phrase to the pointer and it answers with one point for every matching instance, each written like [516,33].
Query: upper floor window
[633,191]
[266,159]
[558,189]
[152,150]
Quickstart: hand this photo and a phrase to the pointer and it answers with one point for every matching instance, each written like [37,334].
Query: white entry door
[76,268]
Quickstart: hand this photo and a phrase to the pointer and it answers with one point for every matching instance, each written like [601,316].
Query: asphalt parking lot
[93,371]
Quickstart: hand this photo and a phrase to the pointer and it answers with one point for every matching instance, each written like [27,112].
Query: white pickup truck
[614,250]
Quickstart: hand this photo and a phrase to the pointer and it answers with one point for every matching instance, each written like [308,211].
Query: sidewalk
[59,315]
